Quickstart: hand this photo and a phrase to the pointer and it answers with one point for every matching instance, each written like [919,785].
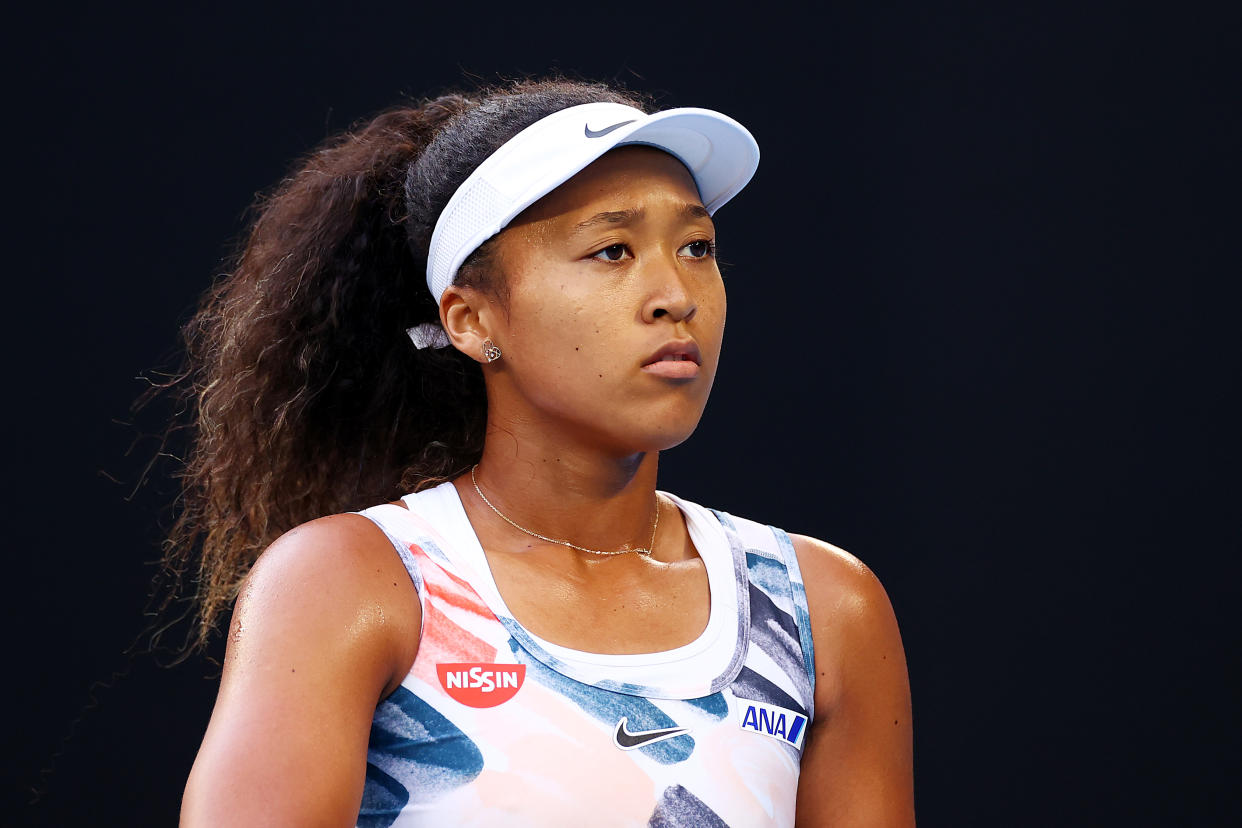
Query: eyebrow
[631,216]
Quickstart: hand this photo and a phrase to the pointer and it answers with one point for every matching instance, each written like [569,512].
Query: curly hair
[303,395]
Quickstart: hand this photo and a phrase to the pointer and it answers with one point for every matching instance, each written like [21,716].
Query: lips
[676,360]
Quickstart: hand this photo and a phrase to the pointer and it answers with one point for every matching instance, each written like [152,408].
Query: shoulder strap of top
[772,567]
[402,529]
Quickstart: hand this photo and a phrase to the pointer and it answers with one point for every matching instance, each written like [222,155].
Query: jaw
[619,434]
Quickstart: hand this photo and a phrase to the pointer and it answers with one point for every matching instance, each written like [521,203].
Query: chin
[669,434]
[655,429]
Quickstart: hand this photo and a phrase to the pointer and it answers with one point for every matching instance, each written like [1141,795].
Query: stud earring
[490,352]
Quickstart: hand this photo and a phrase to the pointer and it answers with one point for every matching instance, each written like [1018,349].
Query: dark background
[983,333]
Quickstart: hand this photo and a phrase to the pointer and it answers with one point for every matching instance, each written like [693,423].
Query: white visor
[718,151]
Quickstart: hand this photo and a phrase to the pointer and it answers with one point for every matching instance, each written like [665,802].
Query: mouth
[676,360]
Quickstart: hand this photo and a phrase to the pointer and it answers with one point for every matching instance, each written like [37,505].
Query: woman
[536,635]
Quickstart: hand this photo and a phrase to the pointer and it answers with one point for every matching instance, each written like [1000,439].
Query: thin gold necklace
[650,546]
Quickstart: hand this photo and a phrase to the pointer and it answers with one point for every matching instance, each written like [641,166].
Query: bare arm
[857,768]
[326,625]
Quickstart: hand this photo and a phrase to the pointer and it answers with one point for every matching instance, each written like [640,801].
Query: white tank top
[495,726]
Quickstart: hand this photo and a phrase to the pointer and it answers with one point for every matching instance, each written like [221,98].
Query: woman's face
[615,309]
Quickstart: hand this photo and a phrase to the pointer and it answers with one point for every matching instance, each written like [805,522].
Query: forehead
[622,178]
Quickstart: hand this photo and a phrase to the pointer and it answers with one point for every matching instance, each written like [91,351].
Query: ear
[469,317]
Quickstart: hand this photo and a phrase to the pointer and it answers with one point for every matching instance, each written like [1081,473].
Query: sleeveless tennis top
[495,726]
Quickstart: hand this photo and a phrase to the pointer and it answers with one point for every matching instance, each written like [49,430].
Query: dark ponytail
[305,397]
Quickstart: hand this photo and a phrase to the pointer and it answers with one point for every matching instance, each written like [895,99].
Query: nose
[669,295]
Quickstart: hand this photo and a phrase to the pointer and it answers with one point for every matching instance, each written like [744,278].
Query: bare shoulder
[852,620]
[857,768]
[343,551]
[325,625]
[839,583]
[334,576]
[339,542]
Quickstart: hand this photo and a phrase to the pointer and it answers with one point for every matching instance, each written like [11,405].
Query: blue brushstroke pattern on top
[678,808]
[776,633]
[411,740]
[713,705]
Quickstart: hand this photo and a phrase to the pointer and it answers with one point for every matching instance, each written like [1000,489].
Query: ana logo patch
[784,725]
[481,685]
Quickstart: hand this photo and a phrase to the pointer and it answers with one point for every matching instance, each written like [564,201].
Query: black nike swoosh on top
[628,741]
[590,133]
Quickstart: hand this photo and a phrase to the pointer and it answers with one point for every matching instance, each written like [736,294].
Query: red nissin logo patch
[481,685]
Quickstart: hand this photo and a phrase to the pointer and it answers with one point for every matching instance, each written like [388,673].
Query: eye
[611,253]
[701,249]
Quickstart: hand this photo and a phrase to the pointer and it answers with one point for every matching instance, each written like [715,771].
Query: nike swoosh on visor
[590,133]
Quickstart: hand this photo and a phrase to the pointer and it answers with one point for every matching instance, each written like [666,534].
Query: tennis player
[429,402]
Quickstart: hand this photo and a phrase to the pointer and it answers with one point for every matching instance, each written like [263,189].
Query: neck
[588,498]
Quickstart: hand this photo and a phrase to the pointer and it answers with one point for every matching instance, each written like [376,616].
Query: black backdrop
[982,333]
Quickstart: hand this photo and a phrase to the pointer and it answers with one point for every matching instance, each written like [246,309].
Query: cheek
[720,303]
[563,330]
[712,309]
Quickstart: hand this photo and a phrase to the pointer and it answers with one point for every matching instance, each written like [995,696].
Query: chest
[614,607]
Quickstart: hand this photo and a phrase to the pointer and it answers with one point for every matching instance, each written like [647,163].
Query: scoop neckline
[707,650]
